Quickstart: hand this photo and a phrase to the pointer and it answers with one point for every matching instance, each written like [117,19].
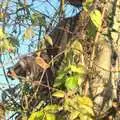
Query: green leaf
[86,110]
[77,69]
[77,47]
[2,34]
[91,32]
[79,107]
[71,82]
[37,115]
[61,76]
[5,43]
[85,101]
[38,19]
[50,117]
[95,16]
[48,39]
[59,94]
[52,108]
[83,117]
[73,115]
[28,34]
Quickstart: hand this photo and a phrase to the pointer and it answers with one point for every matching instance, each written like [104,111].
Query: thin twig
[94,47]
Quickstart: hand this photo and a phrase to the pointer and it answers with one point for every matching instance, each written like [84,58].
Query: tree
[70,73]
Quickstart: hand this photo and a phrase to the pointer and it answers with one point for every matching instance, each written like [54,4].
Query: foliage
[65,46]
[95,16]
[48,113]
[7,42]
[76,107]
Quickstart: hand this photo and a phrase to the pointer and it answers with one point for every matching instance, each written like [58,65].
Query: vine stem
[94,47]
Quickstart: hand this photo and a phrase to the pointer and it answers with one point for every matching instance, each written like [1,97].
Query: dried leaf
[41,62]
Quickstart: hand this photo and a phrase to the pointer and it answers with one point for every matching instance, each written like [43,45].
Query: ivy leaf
[95,16]
[59,94]
[28,34]
[71,82]
[48,39]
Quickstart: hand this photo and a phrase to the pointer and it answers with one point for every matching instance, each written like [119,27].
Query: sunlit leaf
[77,47]
[85,101]
[73,115]
[83,117]
[41,62]
[59,94]
[5,43]
[52,108]
[78,109]
[77,69]
[95,16]
[86,110]
[36,115]
[48,39]
[50,117]
[71,82]
[28,34]
[2,35]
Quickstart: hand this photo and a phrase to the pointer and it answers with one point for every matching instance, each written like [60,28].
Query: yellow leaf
[28,34]
[41,62]
[95,16]
[77,69]
[1,15]
[73,115]
[36,115]
[2,35]
[50,117]
[77,47]
[59,94]
[48,39]
[85,101]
